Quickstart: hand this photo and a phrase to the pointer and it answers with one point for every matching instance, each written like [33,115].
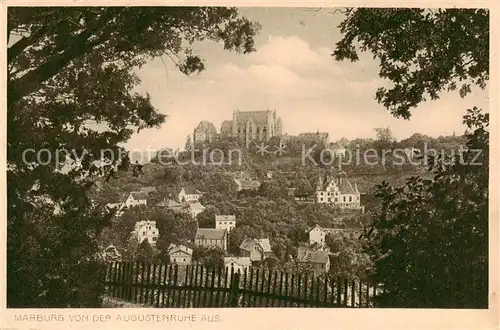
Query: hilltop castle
[247,125]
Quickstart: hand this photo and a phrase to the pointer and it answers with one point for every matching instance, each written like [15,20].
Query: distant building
[317,235]
[195,208]
[171,204]
[319,260]
[252,125]
[188,194]
[245,182]
[318,137]
[338,191]
[227,222]
[180,254]
[210,237]
[238,264]
[146,230]
[205,131]
[136,198]
[255,249]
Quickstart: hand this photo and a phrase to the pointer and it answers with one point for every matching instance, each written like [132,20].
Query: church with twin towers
[246,125]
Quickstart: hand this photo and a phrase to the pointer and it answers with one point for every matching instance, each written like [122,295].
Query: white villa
[146,230]
[189,195]
[180,254]
[136,198]
[317,235]
[339,192]
[227,222]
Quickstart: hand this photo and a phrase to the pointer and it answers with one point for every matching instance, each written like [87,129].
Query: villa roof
[210,233]
[168,202]
[189,190]
[248,244]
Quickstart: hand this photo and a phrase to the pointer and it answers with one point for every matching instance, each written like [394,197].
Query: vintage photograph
[227,157]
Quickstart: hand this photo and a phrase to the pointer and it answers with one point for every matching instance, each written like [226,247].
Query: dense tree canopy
[430,236]
[422,52]
[70,81]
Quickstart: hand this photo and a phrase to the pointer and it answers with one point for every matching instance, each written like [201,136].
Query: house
[146,230]
[180,254]
[338,191]
[319,260]
[136,198]
[205,131]
[211,237]
[188,195]
[238,264]
[227,222]
[195,208]
[317,235]
[172,205]
[255,249]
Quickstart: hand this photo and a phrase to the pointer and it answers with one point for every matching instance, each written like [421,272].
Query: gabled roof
[248,244]
[259,117]
[168,202]
[225,218]
[190,190]
[345,187]
[179,248]
[137,195]
[196,206]
[210,233]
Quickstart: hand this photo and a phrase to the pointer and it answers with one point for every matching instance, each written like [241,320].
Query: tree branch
[77,47]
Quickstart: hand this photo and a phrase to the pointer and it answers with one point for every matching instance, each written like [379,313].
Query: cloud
[304,84]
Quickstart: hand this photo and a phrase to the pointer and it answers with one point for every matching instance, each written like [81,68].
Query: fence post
[235,285]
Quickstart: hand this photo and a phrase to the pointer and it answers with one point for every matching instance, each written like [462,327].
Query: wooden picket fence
[175,286]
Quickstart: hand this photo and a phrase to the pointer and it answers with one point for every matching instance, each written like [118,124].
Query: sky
[293,72]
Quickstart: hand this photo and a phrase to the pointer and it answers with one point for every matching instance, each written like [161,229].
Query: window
[154,239]
[321,199]
[144,232]
[350,198]
[231,223]
[336,199]
[184,260]
[220,222]
[344,198]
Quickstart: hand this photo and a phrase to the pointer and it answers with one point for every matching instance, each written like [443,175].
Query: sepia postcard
[241,165]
